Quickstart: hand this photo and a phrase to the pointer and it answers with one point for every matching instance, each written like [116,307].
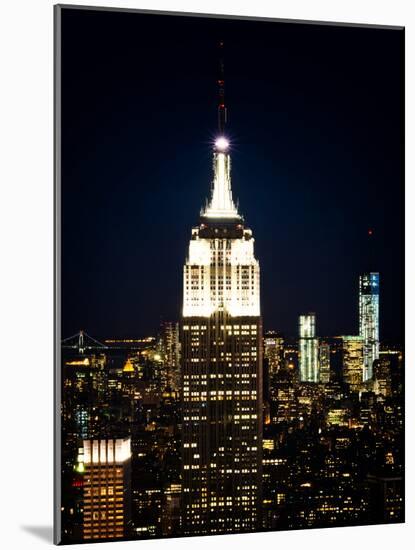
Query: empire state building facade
[221,368]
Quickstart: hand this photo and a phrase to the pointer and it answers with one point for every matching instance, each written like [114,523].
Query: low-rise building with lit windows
[106,488]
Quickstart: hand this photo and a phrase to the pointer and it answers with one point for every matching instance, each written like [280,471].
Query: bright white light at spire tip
[221,144]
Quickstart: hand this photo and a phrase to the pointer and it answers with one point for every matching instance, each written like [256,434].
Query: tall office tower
[287,403]
[107,488]
[170,515]
[324,362]
[353,361]
[382,374]
[369,320]
[84,395]
[171,354]
[274,351]
[308,348]
[221,365]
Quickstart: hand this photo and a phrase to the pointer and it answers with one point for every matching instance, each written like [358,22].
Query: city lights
[201,417]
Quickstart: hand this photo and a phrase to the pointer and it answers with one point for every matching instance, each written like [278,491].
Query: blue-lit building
[369,320]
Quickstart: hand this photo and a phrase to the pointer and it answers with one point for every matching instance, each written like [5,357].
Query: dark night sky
[315,122]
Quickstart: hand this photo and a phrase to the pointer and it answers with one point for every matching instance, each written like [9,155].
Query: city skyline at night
[241,370]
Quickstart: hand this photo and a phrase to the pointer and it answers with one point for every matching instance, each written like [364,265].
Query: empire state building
[221,334]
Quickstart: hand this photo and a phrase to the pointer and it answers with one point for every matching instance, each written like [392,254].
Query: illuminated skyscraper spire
[221,203]
[221,364]
[369,309]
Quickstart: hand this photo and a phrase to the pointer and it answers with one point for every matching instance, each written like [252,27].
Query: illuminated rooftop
[221,204]
[128,367]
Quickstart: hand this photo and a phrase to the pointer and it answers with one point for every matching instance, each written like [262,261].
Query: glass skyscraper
[308,349]
[369,320]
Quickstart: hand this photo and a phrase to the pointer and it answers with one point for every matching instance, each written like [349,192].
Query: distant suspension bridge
[82,342]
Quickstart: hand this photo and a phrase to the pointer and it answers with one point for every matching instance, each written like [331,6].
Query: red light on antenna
[370,232]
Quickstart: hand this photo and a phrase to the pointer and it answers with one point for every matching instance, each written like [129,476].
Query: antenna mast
[222,114]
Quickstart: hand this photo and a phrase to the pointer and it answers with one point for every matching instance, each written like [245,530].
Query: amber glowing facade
[353,361]
[221,335]
[107,488]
